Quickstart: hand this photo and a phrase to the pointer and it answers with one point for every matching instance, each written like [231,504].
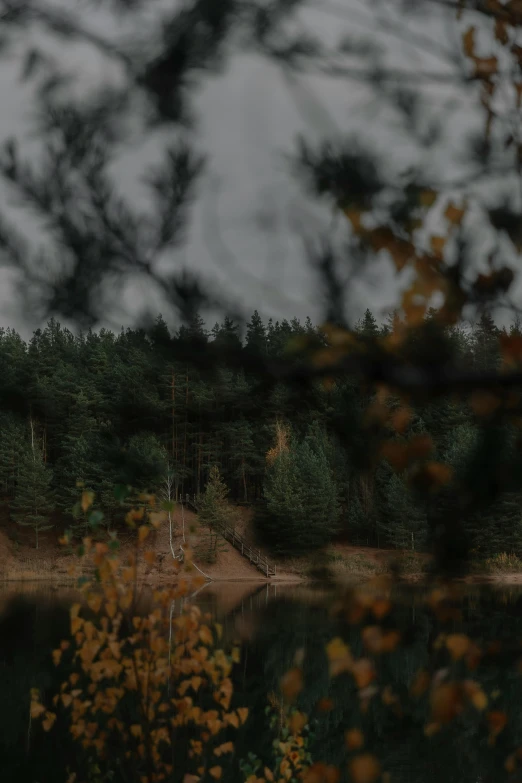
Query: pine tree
[213,507]
[214,511]
[32,504]
[367,326]
[256,335]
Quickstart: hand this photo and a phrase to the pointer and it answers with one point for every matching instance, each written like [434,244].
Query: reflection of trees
[459,752]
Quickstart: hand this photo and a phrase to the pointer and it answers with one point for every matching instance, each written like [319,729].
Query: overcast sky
[247,223]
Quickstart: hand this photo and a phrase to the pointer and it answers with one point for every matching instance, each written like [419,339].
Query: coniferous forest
[99,409]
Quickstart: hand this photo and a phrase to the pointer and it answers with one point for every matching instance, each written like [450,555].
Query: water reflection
[274,623]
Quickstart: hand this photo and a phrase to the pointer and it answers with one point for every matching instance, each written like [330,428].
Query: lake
[279,625]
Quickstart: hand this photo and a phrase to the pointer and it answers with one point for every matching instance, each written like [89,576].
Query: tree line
[98,410]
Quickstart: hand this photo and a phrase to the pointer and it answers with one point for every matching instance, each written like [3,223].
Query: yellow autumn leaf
[458,645]
[36,710]
[216,772]
[143,532]
[243,713]
[94,602]
[57,657]
[363,672]
[195,682]
[205,635]
[291,683]
[87,499]
[226,747]
[232,719]
[297,722]
[48,723]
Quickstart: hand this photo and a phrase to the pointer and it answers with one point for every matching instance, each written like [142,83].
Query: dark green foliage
[402,522]
[32,503]
[112,409]
[302,508]
[214,512]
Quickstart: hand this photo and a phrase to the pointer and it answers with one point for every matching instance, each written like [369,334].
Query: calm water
[273,624]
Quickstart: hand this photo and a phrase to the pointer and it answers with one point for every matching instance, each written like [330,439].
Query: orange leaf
[454,214]
[354,739]
[497,721]
[205,635]
[143,532]
[226,747]
[232,719]
[149,557]
[381,608]
[297,722]
[396,454]
[321,773]
[94,602]
[446,702]
[420,684]
[511,347]
[87,500]
[37,709]
[476,695]
[468,42]
[458,645]
[485,66]
[355,218]
[57,657]
[243,713]
[339,656]
[50,718]
[437,245]
[400,419]
[216,772]
[439,472]
[484,403]
[325,705]
[363,672]
[365,768]
[292,684]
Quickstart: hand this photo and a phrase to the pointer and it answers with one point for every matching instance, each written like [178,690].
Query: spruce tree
[214,512]
[32,504]
[11,452]
[302,508]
